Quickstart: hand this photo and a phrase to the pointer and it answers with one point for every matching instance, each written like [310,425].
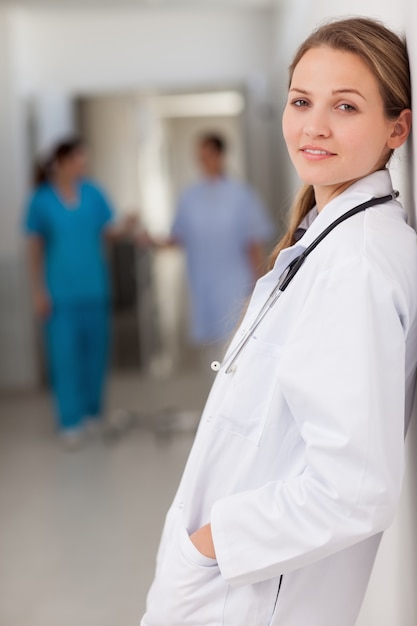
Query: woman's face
[74,166]
[334,123]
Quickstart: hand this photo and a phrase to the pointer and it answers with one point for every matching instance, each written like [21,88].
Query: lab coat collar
[283,260]
[376,184]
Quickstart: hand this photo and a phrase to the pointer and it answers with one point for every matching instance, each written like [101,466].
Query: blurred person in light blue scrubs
[66,221]
[223,228]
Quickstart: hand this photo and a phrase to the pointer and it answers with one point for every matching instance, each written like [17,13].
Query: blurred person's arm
[35,229]
[36,259]
[114,227]
[124,228]
[146,240]
[174,239]
[258,230]
[257,258]
[129,227]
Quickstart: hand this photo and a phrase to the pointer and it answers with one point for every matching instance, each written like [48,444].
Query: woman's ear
[400,130]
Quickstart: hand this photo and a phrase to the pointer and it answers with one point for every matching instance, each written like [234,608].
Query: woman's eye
[346,107]
[300,102]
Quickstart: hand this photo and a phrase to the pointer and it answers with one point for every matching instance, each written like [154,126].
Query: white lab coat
[299,457]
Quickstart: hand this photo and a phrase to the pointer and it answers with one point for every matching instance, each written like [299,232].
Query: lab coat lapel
[376,184]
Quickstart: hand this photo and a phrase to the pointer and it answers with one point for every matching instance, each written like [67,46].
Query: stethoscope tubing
[289,274]
[357,209]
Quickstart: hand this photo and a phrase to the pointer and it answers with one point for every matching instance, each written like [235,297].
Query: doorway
[142,152]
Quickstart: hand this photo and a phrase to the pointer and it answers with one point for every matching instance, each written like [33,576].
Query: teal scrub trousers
[77,340]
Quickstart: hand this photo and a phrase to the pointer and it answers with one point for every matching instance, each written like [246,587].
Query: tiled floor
[79,530]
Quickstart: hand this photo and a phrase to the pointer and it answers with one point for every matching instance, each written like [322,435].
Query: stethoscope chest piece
[216,366]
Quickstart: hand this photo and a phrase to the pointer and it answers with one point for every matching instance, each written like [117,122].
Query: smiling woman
[334,123]
[298,462]
[385,56]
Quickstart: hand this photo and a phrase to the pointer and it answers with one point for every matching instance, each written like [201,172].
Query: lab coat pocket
[248,393]
[251,604]
[190,552]
[188,589]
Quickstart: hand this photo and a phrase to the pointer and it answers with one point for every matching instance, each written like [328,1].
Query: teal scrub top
[75,260]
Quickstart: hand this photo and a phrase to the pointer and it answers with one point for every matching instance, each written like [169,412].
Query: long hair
[61,151]
[385,54]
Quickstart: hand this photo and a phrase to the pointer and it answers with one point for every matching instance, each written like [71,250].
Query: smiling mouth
[316,151]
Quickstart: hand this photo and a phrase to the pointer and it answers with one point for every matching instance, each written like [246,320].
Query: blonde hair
[385,54]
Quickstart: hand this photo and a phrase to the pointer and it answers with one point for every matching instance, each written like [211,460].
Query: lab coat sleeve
[341,378]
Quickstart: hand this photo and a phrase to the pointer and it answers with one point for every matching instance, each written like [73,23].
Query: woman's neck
[324,195]
[67,187]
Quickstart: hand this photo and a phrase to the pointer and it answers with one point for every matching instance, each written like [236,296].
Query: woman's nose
[316,125]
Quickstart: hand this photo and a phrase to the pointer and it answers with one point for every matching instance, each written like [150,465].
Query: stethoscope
[286,278]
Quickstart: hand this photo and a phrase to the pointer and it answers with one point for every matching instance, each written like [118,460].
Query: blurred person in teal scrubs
[67,221]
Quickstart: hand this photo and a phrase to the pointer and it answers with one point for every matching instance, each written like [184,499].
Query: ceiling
[195,4]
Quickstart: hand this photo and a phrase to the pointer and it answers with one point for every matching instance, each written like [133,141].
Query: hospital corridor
[144,183]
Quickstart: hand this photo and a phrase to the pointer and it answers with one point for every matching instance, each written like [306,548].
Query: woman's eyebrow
[343,90]
[348,90]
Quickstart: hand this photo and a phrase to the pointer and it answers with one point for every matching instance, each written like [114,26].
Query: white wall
[53,117]
[391,599]
[87,50]
[9,139]
[16,332]
[109,126]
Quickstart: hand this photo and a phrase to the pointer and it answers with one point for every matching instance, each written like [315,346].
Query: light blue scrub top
[216,221]
[76,268]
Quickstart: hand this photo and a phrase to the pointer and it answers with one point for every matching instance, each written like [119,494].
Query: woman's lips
[316,153]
